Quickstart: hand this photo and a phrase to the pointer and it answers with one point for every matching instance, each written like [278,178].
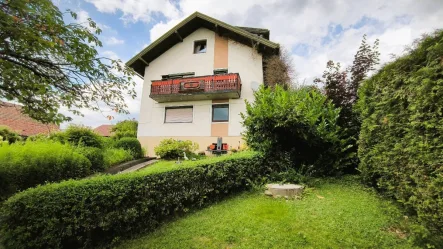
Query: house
[12,117]
[104,130]
[197,77]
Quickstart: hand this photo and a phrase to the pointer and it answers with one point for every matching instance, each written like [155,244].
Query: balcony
[222,86]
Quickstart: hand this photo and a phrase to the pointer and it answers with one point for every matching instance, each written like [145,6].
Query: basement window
[200,47]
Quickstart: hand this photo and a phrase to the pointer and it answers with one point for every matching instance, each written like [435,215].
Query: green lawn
[335,214]
[163,165]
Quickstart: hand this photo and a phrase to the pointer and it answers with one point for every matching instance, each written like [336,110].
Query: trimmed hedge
[131,144]
[26,165]
[401,138]
[95,156]
[98,211]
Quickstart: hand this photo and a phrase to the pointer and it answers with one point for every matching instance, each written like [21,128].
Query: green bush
[8,135]
[401,138]
[126,128]
[100,210]
[114,156]
[297,125]
[82,136]
[172,149]
[25,166]
[108,142]
[131,144]
[95,156]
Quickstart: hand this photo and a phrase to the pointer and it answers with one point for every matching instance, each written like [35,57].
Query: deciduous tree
[341,86]
[47,64]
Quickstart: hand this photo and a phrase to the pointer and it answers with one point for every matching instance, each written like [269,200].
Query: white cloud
[137,10]
[395,23]
[114,41]
[82,17]
[110,54]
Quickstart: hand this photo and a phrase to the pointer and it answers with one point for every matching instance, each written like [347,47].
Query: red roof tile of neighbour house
[12,117]
[104,130]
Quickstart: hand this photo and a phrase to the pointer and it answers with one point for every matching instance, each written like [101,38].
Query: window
[220,113]
[200,47]
[220,71]
[181,114]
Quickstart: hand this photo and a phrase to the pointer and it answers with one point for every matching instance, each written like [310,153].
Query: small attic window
[220,71]
[200,47]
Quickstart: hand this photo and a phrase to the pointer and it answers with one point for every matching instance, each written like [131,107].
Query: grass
[163,165]
[335,214]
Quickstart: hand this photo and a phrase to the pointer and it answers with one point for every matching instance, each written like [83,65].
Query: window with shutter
[182,114]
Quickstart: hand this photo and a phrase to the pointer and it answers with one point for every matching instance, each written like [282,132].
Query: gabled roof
[192,23]
[12,117]
[258,31]
[104,130]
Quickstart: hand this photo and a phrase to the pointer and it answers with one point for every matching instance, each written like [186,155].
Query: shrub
[299,124]
[126,128]
[108,142]
[131,144]
[96,211]
[402,130]
[95,156]
[7,135]
[25,166]
[114,156]
[172,149]
[82,136]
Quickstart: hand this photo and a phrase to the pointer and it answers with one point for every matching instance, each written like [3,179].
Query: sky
[312,31]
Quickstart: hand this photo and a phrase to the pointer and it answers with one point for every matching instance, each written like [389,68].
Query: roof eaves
[207,18]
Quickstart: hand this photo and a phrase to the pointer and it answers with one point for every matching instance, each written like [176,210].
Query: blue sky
[312,31]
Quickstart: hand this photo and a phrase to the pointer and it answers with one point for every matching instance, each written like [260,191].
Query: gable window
[200,47]
[178,114]
[220,113]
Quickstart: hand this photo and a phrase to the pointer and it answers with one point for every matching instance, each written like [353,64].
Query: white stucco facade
[179,59]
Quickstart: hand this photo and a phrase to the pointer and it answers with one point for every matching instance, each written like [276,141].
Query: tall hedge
[100,210]
[401,140]
[25,165]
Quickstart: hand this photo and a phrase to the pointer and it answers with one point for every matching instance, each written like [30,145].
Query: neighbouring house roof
[258,38]
[104,130]
[11,116]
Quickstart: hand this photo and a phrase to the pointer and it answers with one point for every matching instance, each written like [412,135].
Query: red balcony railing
[201,84]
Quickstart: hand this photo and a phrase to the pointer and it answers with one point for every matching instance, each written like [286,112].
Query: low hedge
[98,211]
[131,144]
[26,165]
